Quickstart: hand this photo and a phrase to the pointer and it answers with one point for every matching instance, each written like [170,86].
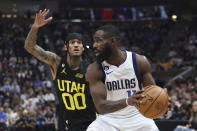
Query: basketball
[155,102]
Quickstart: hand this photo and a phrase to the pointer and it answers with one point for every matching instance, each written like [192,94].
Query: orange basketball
[155,102]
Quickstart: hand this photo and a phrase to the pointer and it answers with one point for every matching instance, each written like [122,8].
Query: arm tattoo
[42,55]
[55,59]
[33,48]
[30,41]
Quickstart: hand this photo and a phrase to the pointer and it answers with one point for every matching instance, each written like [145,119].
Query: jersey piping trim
[137,73]
[103,73]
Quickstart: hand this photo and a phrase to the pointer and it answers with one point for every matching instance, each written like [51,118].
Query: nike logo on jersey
[107,73]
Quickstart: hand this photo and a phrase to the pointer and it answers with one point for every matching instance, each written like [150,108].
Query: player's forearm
[30,41]
[111,106]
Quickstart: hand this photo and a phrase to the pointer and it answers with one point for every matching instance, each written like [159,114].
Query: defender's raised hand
[31,46]
[40,19]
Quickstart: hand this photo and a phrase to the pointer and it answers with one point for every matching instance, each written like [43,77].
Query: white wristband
[127,101]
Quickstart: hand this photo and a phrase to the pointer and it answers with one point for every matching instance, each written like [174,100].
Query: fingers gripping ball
[155,102]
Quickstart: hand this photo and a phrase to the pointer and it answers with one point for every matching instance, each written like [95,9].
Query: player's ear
[113,40]
[65,48]
[83,48]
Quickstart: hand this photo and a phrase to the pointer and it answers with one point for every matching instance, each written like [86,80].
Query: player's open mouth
[76,50]
[96,53]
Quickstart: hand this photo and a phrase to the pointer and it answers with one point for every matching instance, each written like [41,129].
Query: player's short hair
[110,30]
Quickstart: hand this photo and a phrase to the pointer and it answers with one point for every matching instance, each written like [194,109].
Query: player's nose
[75,44]
[95,45]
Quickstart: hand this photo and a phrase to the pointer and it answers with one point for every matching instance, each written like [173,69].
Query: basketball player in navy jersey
[76,109]
[116,81]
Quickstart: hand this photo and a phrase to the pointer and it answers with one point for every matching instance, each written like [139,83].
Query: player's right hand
[40,19]
[136,98]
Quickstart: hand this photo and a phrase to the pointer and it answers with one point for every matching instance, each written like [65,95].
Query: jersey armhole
[103,73]
[53,72]
[137,72]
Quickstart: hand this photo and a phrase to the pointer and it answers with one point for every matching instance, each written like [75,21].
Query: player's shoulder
[143,63]
[93,71]
[141,59]
[93,67]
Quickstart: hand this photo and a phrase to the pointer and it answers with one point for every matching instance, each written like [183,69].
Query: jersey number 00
[74,101]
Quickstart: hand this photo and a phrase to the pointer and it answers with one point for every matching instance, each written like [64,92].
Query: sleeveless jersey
[76,108]
[121,82]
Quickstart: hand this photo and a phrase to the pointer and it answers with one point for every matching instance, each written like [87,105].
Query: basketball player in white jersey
[115,84]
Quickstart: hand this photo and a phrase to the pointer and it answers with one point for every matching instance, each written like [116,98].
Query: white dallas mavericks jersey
[122,82]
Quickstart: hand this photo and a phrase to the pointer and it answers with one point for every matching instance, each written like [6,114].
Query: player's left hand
[40,19]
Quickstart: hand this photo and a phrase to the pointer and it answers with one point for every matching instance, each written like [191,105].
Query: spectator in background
[50,119]
[192,126]
[38,82]
[193,117]
[12,117]
[16,87]
[7,86]
[24,122]
[3,119]
[2,115]
[48,95]
[182,113]
[40,121]
[47,82]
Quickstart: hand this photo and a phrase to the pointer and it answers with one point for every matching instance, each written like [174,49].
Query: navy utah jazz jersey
[76,108]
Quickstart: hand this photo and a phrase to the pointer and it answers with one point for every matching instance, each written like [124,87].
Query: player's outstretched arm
[30,43]
[99,93]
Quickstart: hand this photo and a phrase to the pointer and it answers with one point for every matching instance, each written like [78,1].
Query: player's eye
[72,42]
[97,40]
[79,42]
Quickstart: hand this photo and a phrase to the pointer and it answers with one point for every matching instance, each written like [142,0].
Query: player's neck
[74,62]
[117,57]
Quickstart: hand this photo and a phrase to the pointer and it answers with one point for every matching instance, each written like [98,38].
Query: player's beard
[104,54]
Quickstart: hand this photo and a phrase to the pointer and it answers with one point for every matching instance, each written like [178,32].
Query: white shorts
[135,122]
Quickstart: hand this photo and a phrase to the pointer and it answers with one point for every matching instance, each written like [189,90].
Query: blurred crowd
[110,14]
[26,90]
[183,94]
[26,94]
